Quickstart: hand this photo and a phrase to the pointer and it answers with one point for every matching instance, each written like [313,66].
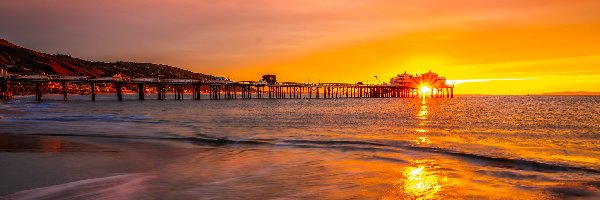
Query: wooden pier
[219,90]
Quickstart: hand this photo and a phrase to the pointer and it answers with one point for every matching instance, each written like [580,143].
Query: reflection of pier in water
[402,86]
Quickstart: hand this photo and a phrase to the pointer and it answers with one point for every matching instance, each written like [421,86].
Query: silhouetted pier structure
[227,90]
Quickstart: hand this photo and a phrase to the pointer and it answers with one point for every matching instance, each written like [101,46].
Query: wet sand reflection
[10,143]
[46,144]
[420,180]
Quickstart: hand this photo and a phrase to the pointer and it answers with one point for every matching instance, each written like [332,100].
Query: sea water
[364,148]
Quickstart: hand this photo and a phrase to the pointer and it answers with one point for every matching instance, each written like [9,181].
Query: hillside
[16,59]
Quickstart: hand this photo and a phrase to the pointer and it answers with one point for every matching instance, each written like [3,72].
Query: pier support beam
[175,91]
[193,91]
[38,91]
[259,91]
[141,93]
[196,91]
[63,84]
[119,88]
[160,89]
[178,92]
[141,89]
[215,92]
[270,92]
[93,91]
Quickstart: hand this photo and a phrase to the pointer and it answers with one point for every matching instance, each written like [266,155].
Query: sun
[424,89]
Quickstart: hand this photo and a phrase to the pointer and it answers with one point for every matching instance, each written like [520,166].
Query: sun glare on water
[422,180]
[421,183]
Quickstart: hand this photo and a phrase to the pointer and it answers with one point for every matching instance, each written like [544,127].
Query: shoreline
[74,167]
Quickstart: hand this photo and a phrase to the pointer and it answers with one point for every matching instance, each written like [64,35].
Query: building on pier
[429,79]
[269,79]
[403,80]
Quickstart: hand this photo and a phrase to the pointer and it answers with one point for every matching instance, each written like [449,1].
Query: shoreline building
[428,82]
[429,79]
[269,78]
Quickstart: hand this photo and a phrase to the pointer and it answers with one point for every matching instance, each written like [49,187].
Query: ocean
[470,146]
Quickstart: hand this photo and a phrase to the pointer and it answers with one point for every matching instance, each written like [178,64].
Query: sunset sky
[488,47]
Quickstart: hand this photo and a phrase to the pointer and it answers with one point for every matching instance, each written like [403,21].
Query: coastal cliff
[17,59]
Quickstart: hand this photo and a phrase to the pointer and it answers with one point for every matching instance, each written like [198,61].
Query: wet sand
[29,163]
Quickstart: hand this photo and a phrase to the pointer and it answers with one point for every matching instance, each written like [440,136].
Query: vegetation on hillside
[16,59]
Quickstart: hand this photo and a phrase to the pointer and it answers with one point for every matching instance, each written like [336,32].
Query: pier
[402,86]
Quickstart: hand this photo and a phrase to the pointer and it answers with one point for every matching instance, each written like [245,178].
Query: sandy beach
[49,167]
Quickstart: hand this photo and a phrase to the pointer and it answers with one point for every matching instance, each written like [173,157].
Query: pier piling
[119,89]
[64,89]
[93,91]
[141,90]
[38,91]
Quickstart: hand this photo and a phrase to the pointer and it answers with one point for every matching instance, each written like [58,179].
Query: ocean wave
[124,186]
[514,163]
[374,146]
[91,118]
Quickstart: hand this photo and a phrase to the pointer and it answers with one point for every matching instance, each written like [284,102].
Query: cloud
[456,82]
[233,33]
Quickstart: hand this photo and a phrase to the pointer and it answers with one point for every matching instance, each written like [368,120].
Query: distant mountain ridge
[571,93]
[16,59]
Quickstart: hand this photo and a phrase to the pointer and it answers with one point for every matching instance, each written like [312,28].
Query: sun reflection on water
[422,140]
[421,180]
[421,183]
[423,112]
[423,117]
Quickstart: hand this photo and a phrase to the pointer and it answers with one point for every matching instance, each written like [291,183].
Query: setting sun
[425,89]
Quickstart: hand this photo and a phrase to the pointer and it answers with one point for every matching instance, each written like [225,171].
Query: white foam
[124,186]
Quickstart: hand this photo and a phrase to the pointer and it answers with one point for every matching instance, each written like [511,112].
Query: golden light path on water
[423,117]
[421,179]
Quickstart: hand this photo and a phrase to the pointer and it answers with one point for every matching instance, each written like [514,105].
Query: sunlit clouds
[551,45]
[455,82]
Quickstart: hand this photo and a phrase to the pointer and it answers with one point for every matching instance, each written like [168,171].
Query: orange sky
[493,47]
